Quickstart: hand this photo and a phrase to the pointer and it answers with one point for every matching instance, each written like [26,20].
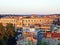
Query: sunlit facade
[38,22]
[4,21]
[34,20]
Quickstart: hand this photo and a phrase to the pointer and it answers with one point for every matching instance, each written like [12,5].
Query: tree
[39,42]
[58,43]
[7,34]
[2,34]
[29,42]
[10,29]
[10,32]
[46,43]
[2,31]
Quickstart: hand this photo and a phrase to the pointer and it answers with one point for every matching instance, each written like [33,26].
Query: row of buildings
[32,20]
[50,37]
[36,22]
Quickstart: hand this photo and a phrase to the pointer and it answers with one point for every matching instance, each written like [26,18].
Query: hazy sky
[29,6]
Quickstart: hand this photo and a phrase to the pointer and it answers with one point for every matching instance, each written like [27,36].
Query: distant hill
[3,15]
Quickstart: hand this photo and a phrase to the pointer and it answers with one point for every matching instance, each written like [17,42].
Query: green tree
[2,35]
[29,42]
[10,30]
[39,42]
[58,43]
[46,43]
[10,34]
[2,31]
[6,32]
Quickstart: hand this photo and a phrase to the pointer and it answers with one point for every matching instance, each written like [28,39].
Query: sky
[29,6]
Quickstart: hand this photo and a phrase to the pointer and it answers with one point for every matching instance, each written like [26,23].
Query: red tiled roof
[53,35]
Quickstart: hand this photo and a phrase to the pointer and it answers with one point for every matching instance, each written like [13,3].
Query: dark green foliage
[29,43]
[2,31]
[7,34]
[39,42]
[58,43]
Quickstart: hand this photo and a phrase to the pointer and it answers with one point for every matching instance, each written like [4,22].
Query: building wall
[19,23]
[4,21]
[44,22]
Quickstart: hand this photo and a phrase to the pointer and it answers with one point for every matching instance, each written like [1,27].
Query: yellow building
[25,22]
[38,22]
[19,23]
[6,20]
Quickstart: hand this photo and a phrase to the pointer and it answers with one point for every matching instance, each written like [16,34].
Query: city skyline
[29,7]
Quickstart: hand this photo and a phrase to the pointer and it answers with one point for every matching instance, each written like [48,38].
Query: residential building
[27,21]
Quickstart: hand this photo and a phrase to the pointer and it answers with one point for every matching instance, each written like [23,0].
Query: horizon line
[30,14]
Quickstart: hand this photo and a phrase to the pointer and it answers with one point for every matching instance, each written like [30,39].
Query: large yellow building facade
[4,21]
[38,22]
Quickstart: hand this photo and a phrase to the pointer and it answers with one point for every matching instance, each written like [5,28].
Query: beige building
[25,22]
[38,22]
[19,22]
[6,20]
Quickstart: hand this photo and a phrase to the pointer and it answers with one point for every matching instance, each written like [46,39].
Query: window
[40,20]
[34,20]
[31,20]
[37,20]
[28,20]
